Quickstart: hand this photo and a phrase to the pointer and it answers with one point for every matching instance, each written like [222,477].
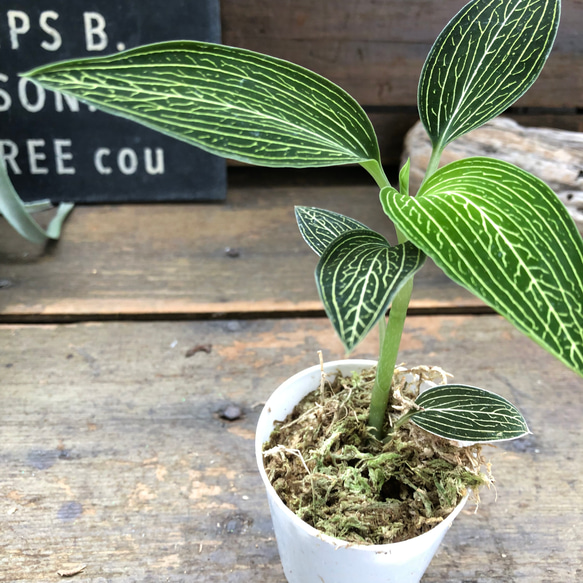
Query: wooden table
[122,344]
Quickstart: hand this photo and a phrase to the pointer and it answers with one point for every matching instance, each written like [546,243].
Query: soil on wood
[327,467]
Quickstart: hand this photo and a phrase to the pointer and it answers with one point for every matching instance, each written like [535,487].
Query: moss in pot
[492,227]
[326,467]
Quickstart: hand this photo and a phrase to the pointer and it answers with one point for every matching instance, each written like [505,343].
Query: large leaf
[486,58]
[229,101]
[357,277]
[320,227]
[504,235]
[468,414]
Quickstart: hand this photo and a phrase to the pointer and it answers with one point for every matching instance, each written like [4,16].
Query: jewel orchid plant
[492,227]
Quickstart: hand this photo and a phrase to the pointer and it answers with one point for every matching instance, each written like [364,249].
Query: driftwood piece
[555,156]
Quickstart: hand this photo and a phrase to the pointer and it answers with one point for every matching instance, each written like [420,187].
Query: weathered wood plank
[375,50]
[172,260]
[113,454]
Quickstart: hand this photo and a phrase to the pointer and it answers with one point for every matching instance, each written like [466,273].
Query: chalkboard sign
[58,148]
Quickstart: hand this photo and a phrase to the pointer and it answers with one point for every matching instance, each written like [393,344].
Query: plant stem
[381,391]
[402,420]
[433,162]
[375,169]
[392,333]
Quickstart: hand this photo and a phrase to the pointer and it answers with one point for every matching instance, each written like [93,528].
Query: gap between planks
[254,314]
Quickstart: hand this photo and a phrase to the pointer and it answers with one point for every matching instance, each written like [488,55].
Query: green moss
[328,468]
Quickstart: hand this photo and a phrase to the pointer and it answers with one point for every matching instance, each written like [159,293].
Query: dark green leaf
[320,227]
[490,53]
[468,414]
[504,235]
[229,101]
[358,275]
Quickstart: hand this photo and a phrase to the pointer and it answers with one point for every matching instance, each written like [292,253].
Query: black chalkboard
[59,149]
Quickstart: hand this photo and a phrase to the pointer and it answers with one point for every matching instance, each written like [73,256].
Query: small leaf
[404,177]
[320,227]
[504,235]
[487,57]
[232,102]
[468,414]
[357,277]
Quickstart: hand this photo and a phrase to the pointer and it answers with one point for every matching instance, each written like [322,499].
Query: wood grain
[375,50]
[173,260]
[114,455]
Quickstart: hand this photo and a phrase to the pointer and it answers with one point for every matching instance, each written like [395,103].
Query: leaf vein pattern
[485,230]
[282,109]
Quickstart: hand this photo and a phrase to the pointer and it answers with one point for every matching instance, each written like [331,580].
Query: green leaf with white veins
[504,235]
[231,102]
[468,414]
[358,276]
[490,53]
[320,227]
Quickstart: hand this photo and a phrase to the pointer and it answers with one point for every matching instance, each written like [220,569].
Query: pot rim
[332,366]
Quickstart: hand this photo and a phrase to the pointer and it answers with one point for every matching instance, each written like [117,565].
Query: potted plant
[492,227]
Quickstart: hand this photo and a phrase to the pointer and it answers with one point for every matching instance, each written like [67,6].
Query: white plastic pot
[309,556]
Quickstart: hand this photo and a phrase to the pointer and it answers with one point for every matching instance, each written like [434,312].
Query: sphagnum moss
[338,478]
